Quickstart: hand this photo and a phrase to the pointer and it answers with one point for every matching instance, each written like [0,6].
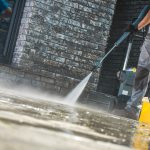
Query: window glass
[6,9]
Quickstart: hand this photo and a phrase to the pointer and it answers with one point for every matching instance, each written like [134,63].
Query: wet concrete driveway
[34,124]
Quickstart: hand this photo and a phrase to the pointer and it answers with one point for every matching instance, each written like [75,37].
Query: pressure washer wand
[99,61]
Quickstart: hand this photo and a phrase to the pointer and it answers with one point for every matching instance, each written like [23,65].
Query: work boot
[127,113]
[133,112]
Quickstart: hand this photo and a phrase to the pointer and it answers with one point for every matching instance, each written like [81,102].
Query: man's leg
[139,90]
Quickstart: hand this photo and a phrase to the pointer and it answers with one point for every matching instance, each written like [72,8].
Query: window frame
[12,35]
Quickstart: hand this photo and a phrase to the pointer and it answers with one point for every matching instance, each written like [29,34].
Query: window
[9,28]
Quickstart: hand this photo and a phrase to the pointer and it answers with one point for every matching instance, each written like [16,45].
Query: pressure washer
[126,76]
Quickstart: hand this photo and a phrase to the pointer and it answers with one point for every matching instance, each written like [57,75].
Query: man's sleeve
[3,6]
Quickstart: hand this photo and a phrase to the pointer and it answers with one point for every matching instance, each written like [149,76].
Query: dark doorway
[126,11]
[9,28]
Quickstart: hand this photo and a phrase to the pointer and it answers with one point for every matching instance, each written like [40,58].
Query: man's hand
[145,21]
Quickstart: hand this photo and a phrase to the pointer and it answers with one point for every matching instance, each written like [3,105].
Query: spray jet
[99,61]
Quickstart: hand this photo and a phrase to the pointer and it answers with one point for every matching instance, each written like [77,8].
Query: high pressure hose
[99,61]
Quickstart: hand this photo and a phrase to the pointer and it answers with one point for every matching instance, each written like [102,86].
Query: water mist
[73,96]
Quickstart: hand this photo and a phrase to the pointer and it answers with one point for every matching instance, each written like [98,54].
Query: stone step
[98,100]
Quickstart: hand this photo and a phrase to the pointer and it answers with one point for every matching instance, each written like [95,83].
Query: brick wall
[17,78]
[61,39]
[125,11]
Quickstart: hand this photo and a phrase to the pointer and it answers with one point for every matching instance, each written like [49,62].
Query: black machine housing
[126,79]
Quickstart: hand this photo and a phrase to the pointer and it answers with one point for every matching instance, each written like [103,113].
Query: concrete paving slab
[34,123]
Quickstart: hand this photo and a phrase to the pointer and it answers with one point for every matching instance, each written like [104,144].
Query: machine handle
[135,23]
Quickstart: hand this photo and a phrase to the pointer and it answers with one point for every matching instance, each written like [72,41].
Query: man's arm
[145,21]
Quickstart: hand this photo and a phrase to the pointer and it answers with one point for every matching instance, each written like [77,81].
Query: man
[142,74]
[5,10]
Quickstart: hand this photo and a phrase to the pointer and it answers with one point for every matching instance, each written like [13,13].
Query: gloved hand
[131,28]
